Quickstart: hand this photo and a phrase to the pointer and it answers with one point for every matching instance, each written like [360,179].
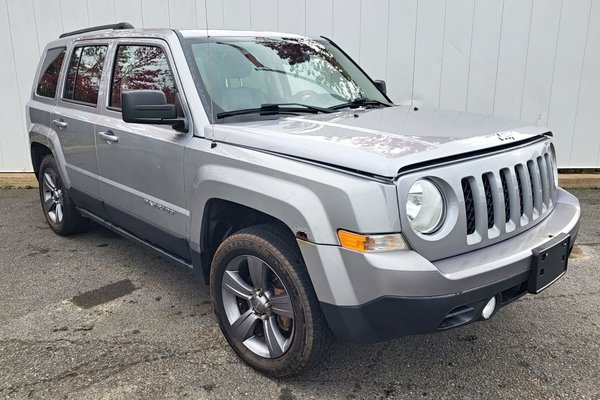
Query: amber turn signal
[371,243]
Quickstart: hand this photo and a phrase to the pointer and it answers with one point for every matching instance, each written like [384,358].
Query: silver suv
[279,173]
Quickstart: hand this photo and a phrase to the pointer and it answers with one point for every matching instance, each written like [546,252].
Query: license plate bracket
[549,263]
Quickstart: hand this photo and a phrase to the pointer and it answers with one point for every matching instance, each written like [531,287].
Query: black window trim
[74,47]
[154,42]
[41,74]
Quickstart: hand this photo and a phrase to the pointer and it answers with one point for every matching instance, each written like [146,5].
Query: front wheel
[265,303]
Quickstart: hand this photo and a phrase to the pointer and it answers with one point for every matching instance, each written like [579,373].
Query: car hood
[377,141]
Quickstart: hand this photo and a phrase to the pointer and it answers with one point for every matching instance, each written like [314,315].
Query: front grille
[513,196]
[490,198]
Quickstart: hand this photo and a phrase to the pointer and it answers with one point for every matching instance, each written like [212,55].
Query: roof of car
[234,33]
[165,32]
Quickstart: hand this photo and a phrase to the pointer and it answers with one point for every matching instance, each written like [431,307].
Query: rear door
[74,117]
[141,166]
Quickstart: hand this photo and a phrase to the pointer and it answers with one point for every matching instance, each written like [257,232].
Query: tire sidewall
[247,245]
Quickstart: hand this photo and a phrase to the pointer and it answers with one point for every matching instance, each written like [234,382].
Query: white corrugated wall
[537,60]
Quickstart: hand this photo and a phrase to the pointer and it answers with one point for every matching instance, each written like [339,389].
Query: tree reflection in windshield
[245,73]
[312,60]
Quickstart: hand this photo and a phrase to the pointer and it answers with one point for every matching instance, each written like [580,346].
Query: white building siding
[537,60]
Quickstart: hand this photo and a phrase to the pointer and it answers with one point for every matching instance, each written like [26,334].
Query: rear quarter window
[48,81]
[84,73]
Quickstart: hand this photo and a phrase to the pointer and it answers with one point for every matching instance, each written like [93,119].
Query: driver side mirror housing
[381,86]
[149,107]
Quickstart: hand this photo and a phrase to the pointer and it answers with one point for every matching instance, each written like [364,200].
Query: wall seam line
[498,59]
[439,103]
[585,49]
[412,88]
[12,46]
[554,63]
[387,41]
[470,58]
[526,60]
[37,33]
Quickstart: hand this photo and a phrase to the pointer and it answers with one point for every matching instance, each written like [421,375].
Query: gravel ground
[159,337]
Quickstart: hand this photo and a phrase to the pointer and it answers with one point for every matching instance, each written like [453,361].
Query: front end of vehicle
[407,220]
[477,233]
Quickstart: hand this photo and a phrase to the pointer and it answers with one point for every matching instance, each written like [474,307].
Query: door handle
[59,123]
[108,136]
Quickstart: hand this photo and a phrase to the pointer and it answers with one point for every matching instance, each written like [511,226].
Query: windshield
[239,73]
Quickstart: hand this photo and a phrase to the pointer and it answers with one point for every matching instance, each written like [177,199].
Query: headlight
[425,206]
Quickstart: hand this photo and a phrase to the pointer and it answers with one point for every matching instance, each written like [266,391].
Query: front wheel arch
[222,218]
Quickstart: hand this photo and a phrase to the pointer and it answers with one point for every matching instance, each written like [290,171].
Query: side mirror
[381,86]
[149,107]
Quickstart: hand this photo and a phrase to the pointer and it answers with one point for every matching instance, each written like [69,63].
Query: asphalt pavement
[95,316]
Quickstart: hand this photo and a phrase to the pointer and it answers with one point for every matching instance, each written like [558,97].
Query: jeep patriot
[275,169]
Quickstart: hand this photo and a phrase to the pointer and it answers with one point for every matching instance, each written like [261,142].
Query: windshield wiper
[273,109]
[360,101]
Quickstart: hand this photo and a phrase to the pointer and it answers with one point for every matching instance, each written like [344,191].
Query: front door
[141,166]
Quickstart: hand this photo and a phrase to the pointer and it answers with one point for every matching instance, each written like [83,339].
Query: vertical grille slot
[469,205]
[551,187]
[550,170]
[536,189]
[507,204]
[520,187]
[545,182]
[489,200]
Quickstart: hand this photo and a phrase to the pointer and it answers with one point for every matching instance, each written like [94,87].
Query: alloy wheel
[258,307]
[53,196]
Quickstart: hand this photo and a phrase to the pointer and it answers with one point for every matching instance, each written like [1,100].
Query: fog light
[489,308]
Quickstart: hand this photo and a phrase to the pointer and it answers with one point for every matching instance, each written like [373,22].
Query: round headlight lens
[425,206]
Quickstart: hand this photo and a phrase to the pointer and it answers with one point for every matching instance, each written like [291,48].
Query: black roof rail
[120,25]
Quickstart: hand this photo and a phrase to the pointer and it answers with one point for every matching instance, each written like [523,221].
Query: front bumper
[375,297]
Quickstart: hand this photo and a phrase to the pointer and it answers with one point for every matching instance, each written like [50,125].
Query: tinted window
[139,68]
[50,70]
[83,76]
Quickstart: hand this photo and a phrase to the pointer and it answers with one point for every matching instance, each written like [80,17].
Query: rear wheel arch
[38,152]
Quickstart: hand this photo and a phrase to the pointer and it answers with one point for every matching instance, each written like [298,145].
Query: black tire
[310,335]
[70,220]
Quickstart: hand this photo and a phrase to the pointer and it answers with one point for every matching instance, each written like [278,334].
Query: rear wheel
[59,209]
[265,303]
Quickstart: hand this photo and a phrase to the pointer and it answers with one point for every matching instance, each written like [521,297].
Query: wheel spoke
[52,215]
[275,341]
[59,212]
[243,327]
[49,181]
[48,200]
[282,305]
[233,282]
[258,272]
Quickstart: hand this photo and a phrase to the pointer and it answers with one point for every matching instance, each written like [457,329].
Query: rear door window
[141,67]
[84,73]
[50,71]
